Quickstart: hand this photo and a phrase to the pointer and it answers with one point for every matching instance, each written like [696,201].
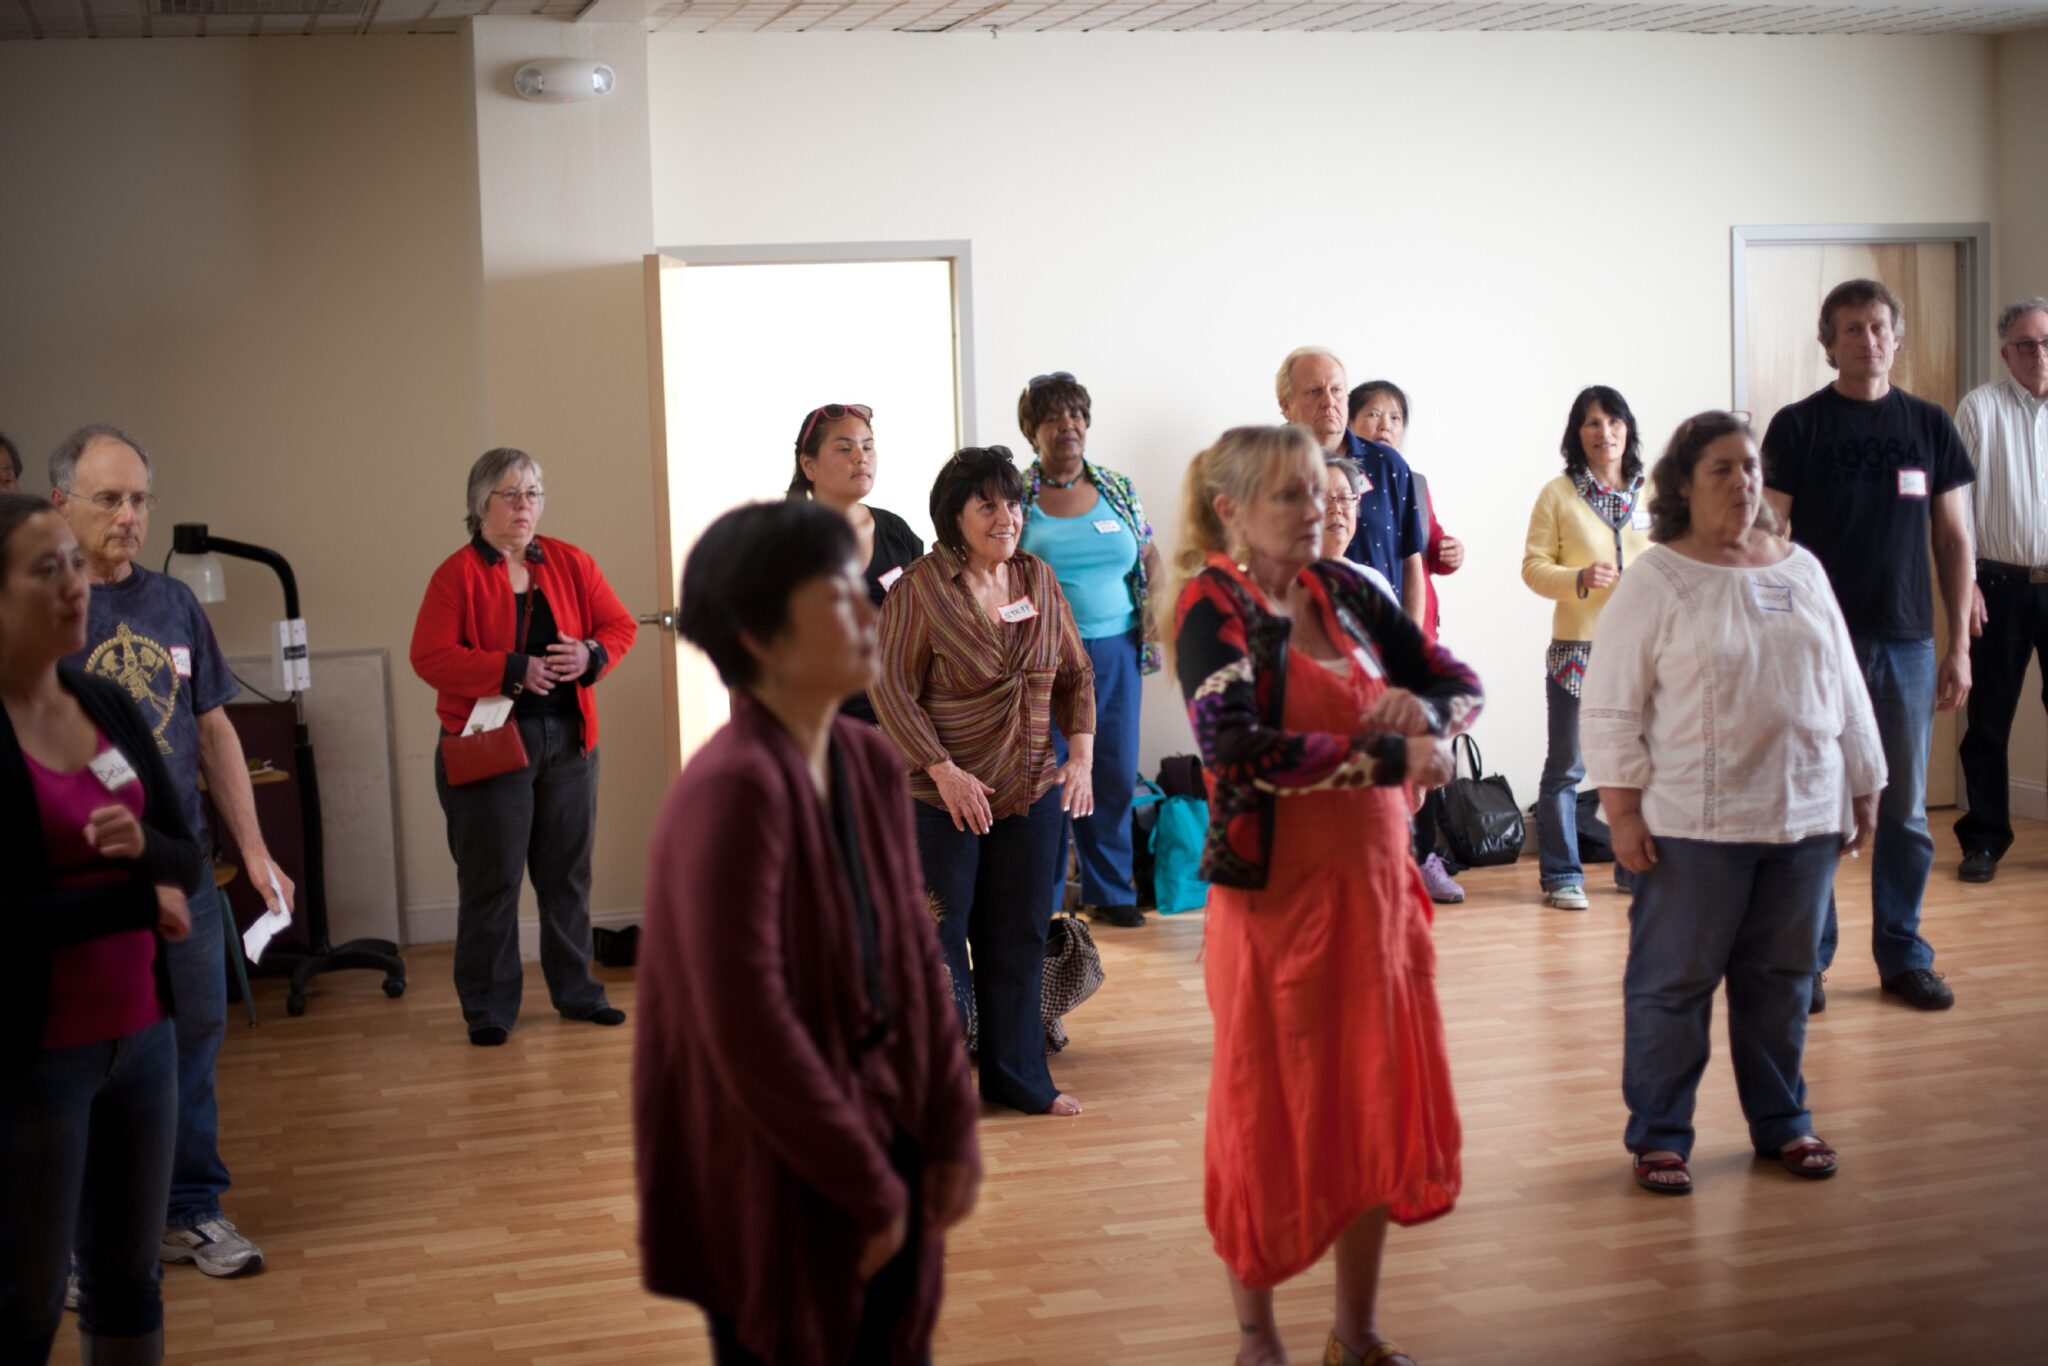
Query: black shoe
[1922,989]
[1977,866]
[1123,917]
[490,1036]
[1820,995]
[603,1015]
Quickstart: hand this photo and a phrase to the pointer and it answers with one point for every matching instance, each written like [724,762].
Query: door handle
[665,621]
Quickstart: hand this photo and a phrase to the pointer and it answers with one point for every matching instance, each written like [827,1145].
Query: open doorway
[742,343]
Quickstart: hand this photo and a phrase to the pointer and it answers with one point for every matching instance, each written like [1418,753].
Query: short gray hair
[2037,304]
[493,465]
[64,460]
[1284,380]
[1353,475]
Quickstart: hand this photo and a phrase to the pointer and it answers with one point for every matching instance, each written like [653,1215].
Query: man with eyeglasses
[2005,426]
[148,633]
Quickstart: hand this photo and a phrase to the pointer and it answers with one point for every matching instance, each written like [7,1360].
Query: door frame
[1973,289]
[958,253]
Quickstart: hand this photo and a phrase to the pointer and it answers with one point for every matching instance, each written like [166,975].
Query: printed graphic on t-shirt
[146,671]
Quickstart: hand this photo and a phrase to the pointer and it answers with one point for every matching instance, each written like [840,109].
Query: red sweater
[463,643]
[762,1131]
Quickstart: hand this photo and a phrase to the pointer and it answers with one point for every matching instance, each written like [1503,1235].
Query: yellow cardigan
[1565,535]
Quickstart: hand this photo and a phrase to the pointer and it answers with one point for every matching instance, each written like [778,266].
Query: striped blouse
[956,685]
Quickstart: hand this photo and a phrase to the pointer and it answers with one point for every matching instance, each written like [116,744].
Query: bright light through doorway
[759,346]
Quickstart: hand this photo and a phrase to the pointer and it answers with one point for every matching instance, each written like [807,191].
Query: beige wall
[2021,247]
[1493,220]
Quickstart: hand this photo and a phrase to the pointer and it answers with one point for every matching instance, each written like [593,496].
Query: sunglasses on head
[832,412]
[1056,377]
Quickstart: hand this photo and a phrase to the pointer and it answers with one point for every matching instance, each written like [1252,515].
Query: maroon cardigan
[762,1142]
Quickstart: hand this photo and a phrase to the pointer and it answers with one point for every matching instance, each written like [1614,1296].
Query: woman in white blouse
[1729,731]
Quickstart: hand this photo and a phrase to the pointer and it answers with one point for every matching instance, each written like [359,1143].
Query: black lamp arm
[192,538]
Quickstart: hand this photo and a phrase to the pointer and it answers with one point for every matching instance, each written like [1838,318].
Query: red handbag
[484,754]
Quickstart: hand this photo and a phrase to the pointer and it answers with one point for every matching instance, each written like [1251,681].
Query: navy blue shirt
[149,635]
[1390,525]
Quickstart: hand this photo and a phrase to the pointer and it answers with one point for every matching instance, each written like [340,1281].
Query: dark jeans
[1901,677]
[540,820]
[199,986]
[990,893]
[2015,627]
[1749,913]
[86,1135]
[889,1295]
[1103,840]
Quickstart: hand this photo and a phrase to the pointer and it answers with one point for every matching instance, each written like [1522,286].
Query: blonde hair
[1285,377]
[1244,461]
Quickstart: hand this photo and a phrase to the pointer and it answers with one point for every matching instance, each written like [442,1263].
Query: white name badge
[1912,483]
[888,580]
[1020,610]
[1770,597]
[1639,520]
[181,661]
[112,769]
[1109,526]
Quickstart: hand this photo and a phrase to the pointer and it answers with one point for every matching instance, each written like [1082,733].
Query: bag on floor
[1481,822]
[1178,834]
[1073,973]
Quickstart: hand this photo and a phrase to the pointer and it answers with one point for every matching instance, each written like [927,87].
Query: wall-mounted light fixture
[563,80]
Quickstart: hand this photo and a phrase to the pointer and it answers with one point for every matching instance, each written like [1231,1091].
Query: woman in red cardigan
[519,619]
[802,1114]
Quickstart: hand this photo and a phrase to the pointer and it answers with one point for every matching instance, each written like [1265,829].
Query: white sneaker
[215,1246]
[1570,897]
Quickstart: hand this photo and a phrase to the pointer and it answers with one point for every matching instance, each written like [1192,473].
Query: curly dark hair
[973,472]
[1670,508]
[1046,397]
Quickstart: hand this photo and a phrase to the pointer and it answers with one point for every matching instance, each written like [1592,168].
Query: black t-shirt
[542,632]
[896,545]
[1863,478]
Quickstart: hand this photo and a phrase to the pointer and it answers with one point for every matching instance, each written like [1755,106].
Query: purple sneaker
[1437,879]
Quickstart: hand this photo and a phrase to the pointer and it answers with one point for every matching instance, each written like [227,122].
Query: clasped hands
[566,660]
[1401,712]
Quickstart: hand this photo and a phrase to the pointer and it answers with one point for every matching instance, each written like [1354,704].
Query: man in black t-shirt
[1866,473]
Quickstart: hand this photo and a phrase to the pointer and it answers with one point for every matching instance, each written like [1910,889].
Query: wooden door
[1785,285]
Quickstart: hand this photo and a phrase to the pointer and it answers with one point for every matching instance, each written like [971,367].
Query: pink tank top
[103,988]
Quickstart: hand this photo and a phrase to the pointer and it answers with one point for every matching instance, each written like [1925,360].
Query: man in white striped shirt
[2005,426]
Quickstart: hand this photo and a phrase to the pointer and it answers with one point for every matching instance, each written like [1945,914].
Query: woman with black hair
[99,864]
[980,657]
[802,1115]
[835,465]
[1589,523]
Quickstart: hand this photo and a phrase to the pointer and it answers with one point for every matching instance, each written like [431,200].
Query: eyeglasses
[111,503]
[832,412]
[1056,377]
[514,498]
[2030,346]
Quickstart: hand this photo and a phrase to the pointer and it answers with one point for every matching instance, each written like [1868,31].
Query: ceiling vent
[248,7]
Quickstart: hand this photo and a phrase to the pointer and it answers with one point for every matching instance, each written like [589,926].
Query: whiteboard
[348,716]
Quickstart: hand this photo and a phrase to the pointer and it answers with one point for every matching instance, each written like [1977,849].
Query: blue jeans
[199,991]
[989,891]
[1900,675]
[1750,913]
[1557,798]
[1104,839]
[85,1136]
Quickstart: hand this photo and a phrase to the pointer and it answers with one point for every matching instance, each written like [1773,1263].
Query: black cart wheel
[295,1005]
[394,987]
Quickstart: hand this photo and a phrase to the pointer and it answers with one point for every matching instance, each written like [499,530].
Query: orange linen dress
[1330,1088]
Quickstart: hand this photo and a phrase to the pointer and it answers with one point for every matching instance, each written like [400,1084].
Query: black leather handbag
[1481,821]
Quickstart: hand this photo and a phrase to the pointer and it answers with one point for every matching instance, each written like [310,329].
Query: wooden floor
[424,1201]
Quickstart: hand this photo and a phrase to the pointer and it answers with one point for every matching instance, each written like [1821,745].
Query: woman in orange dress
[1330,1107]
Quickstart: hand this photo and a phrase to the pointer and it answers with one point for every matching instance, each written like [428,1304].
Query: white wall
[1492,220]
[2021,247]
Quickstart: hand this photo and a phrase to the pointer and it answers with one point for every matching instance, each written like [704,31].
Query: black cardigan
[37,919]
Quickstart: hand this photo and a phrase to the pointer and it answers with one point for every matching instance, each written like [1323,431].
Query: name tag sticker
[1109,526]
[1364,482]
[181,660]
[112,769]
[888,580]
[1639,520]
[1020,610]
[1912,483]
[1771,597]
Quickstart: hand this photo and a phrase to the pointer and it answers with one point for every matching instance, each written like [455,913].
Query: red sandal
[1646,1165]
[1792,1157]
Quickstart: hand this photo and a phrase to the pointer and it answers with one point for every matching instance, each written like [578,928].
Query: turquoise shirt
[1090,555]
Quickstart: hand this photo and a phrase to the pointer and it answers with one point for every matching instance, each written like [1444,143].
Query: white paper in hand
[257,937]
[489,713]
